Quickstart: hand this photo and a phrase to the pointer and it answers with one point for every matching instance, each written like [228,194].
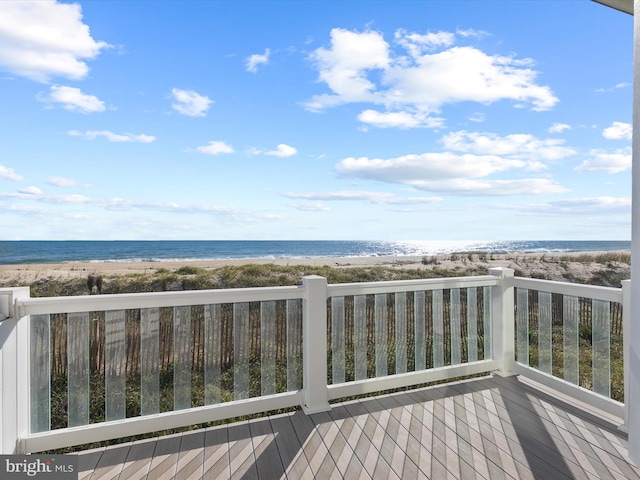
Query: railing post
[314,345]
[626,337]
[503,320]
[14,373]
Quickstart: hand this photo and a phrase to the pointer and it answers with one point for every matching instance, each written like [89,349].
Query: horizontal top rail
[410,285]
[87,303]
[607,294]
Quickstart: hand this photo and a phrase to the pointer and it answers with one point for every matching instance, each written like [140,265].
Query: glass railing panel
[182,357]
[455,327]
[337,340]
[438,328]
[149,361]
[380,322]
[570,342]
[115,364]
[472,324]
[544,332]
[40,374]
[78,368]
[419,329]
[401,332]
[240,351]
[268,347]
[213,353]
[601,343]
[487,322]
[522,325]
[294,345]
[360,336]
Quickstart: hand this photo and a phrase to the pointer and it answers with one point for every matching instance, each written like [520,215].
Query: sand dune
[561,267]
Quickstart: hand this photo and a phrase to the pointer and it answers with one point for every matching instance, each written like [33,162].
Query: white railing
[564,329]
[201,356]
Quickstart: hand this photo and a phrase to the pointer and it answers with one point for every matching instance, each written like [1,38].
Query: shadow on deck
[490,428]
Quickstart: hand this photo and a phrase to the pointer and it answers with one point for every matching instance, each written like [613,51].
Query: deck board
[488,428]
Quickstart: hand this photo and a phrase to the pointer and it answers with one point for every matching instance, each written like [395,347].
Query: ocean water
[23,252]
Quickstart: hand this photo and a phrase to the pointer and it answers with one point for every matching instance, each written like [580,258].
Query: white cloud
[257,59]
[608,162]
[362,196]
[417,44]
[471,32]
[472,187]
[465,168]
[362,67]
[215,148]
[615,87]
[282,151]
[32,190]
[9,174]
[412,169]
[519,145]
[310,207]
[73,99]
[40,39]
[190,103]
[618,131]
[477,117]
[344,67]
[399,119]
[588,206]
[559,127]
[61,182]
[113,137]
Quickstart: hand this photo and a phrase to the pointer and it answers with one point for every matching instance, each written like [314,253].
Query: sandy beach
[551,266]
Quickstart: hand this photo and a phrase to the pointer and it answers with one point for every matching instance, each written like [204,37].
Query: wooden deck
[491,428]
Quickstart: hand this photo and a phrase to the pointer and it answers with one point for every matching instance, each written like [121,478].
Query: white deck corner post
[632,367]
[314,345]
[626,326]
[503,312]
[14,374]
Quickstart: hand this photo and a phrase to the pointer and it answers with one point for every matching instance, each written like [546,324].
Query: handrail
[123,301]
[607,294]
[338,289]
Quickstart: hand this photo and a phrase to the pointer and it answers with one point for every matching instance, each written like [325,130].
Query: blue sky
[380,120]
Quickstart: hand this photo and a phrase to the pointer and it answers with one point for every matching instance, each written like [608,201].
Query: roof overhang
[625,6]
